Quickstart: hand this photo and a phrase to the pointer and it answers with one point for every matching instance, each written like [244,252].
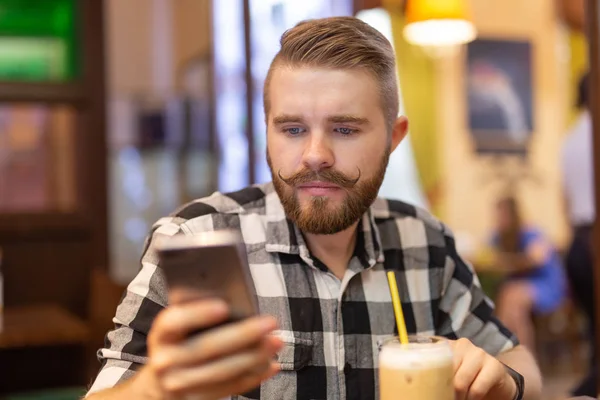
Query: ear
[399,131]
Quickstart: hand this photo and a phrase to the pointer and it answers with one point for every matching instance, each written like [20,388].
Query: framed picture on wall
[500,95]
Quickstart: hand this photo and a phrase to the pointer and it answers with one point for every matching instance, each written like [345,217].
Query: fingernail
[268,324]
[219,307]
[274,346]
[278,344]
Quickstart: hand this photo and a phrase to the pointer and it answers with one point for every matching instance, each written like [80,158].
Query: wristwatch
[519,381]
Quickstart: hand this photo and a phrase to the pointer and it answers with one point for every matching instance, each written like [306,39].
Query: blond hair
[340,43]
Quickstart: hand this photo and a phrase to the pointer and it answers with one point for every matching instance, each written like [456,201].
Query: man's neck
[336,250]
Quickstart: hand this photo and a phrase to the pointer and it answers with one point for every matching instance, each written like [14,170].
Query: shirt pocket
[295,354]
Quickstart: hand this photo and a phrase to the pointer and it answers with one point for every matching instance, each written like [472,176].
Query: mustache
[325,175]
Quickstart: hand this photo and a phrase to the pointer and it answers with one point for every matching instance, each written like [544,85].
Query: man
[578,180]
[319,243]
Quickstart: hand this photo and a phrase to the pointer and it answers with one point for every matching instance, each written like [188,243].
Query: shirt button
[347,368]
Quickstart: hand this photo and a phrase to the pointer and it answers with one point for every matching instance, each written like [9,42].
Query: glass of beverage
[422,369]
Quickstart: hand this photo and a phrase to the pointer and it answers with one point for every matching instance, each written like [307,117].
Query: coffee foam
[396,357]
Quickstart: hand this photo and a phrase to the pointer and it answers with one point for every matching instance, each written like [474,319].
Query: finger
[459,349]
[181,294]
[471,364]
[176,322]
[492,378]
[222,371]
[243,384]
[230,339]
[488,377]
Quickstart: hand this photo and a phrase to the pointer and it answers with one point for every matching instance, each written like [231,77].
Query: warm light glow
[435,23]
[440,32]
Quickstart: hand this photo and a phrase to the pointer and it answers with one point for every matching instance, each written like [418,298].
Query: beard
[318,216]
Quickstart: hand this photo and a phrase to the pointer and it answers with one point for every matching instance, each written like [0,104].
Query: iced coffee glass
[419,370]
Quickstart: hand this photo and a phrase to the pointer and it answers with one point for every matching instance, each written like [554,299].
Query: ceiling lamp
[438,23]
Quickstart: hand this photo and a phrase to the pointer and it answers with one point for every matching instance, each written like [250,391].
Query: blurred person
[535,282]
[319,242]
[578,181]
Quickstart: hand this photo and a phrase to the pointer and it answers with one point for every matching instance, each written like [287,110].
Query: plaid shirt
[330,328]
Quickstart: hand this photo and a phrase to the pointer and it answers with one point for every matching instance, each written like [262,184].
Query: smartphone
[209,265]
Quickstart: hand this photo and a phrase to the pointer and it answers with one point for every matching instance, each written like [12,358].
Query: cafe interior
[114,113]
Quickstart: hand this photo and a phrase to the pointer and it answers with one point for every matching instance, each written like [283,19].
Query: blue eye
[293,131]
[345,131]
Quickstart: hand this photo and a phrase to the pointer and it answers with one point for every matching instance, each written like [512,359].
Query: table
[42,346]
[41,325]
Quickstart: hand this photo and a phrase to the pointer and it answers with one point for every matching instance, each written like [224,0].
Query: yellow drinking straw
[397,307]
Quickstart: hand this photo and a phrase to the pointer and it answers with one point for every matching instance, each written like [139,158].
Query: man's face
[327,145]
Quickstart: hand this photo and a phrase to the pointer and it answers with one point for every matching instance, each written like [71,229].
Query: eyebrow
[335,119]
[347,119]
[285,119]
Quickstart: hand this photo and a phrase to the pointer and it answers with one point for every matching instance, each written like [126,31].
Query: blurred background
[113,113]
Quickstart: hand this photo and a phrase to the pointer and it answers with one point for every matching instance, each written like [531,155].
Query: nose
[318,153]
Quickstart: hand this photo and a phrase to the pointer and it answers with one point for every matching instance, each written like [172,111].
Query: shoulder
[531,233]
[217,211]
[220,210]
[242,201]
[413,236]
[399,211]
[405,226]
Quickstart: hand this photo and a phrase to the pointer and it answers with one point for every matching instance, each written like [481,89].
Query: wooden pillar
[249,93]
[593,10]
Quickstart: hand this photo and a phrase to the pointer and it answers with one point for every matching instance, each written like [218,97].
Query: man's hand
[223,361]
[478,375]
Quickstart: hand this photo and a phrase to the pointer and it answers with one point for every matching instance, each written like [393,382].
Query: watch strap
[519,381]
